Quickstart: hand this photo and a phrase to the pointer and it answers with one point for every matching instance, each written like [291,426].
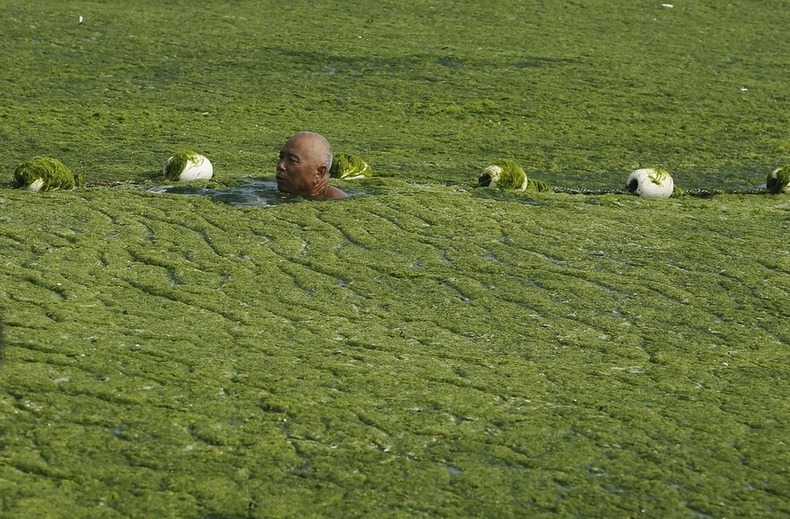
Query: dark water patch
[450,62]
[258,193]
[250,194]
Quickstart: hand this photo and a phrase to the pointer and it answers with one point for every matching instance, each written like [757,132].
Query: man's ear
[322,172]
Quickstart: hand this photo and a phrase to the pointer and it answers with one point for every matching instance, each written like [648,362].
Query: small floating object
[349,167]
[45,174]
[187,166]
[650,183]
[505,174]
[778,181]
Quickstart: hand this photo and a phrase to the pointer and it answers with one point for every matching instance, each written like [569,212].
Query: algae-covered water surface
[424,347]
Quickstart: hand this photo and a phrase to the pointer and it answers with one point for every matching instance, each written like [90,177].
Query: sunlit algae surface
[425,347]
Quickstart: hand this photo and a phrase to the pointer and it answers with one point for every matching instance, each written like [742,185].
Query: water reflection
[258,193]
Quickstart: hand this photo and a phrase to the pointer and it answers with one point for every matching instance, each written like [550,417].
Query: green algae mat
[425,347]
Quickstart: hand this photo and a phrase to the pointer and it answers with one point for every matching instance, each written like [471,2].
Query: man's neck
[328,193]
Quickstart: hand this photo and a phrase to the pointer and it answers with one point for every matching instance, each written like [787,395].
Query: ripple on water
[258,193]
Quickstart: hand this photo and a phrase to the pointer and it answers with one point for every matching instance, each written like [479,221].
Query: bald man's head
[303,168]
[319,147]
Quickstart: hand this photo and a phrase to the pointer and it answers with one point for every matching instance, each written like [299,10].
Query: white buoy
[187,166]
[778,181]
[650,183]
[36,185]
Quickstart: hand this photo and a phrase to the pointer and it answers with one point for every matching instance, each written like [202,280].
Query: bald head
[315,145]
[304,165]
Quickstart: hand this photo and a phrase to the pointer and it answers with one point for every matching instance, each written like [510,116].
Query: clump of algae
[349,167]
[778,180]
[505,174]
[539,186]
[45,174]
[175,165]
[659,176]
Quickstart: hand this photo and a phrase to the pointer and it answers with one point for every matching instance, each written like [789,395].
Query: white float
[778,181]
[187,166]
[650,183]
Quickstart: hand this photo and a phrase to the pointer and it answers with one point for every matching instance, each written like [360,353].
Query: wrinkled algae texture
[45,174]
[428,350]
[349,167]
[425,348]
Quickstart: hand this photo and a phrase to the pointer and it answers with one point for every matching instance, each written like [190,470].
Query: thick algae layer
[46,174]
[427,350]
[437,91]
[505,174]
[350,167]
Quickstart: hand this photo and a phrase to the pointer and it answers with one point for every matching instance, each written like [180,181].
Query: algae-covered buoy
[778,181]
[349,167]
[650,183]
[186,166]
[45,174]
[505,174]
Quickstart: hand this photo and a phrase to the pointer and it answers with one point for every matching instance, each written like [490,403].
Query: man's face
[297,167]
